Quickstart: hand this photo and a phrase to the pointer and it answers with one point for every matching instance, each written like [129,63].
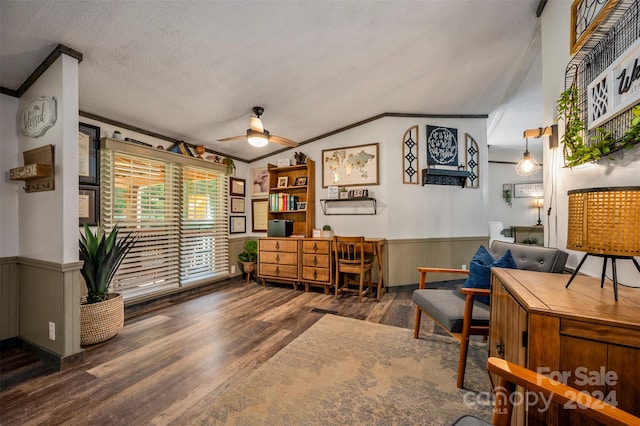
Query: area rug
[346,371]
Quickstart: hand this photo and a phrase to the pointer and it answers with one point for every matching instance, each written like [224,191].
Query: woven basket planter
[101,321]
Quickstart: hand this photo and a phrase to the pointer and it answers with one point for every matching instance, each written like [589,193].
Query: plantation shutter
[204,237]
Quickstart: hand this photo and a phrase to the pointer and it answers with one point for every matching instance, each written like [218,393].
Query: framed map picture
[355,165]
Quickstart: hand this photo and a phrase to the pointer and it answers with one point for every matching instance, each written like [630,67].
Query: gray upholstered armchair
[458,312]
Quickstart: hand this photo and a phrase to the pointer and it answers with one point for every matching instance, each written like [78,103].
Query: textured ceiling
[192,70]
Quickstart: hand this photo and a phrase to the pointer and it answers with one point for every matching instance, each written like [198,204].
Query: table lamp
[605,222]
[539,203]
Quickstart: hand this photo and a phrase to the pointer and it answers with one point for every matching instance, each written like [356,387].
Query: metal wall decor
[586,68]
[472,160]
[442,146]
[410,163]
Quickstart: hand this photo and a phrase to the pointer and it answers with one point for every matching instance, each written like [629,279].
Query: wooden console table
[520,233]
[579,331]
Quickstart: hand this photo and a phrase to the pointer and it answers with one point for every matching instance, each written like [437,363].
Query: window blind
[179,213]
[203,227]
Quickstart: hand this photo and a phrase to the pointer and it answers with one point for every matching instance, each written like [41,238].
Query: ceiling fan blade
[256,124]
[233,138]
[282,141]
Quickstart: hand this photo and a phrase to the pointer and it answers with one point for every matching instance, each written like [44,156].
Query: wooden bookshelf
[284,208]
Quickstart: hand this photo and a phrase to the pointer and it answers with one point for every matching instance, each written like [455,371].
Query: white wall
[48,220]
[624,171]
[9,158]
[404,211]
[520,213]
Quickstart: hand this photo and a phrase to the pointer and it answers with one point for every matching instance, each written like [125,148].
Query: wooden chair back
[512,375]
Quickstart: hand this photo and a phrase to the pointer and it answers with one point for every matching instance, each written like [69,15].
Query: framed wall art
[283,181]
[586,16]
[88,205]
[237,205]
[237,224]
[528,190]
[88,145]
[259,215]
[300,181]
[237,187]
[355,165]
[259,182]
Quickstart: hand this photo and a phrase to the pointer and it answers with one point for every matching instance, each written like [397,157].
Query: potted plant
[102,313]
[327,232]
[249,257]
[117,134]
[231,166]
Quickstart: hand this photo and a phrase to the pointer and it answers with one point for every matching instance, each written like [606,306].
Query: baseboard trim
[56,362]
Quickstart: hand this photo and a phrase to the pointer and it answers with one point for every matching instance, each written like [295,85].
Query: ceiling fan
[257,135]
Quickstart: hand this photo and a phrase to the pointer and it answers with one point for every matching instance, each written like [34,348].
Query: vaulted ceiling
[192,70]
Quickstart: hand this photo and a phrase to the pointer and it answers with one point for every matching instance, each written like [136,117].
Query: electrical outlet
[52,330]
[233,269]
[464,267]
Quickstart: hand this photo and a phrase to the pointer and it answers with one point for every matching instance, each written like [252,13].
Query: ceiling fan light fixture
[257,139]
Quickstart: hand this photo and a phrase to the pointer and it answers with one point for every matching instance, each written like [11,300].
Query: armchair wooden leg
[464,342]
[416,326]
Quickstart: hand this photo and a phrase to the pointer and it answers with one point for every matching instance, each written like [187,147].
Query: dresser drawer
[281,258]
[316,260]
[316,246]
[279,245]
[315,274]
[278,271]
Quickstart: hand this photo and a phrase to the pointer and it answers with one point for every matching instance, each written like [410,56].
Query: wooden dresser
[580,332]
[278,259]
[316,265]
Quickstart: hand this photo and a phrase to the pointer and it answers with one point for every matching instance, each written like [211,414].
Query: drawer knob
[315,246]
[277,258]
[315,260]
[277,271]
[315,274]
[277,245]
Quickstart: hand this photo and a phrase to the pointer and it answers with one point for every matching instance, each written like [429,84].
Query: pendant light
[527,165]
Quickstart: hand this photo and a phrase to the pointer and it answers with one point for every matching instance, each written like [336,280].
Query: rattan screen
[605,221]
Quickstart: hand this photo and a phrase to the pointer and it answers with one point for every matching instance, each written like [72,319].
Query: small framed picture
[302,205]
[236,187]
[88,146]
[237,224]
[88,205]
[237,205]
[283,181]
[300,181]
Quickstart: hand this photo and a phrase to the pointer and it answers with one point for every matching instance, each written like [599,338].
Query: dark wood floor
[173,358]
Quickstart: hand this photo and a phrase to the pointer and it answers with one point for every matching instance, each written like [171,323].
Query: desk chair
[512,375]
[351,261]
[495,233]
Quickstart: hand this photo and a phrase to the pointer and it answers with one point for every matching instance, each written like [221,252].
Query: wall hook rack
[38,171]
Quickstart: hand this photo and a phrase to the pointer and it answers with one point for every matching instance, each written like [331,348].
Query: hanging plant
[576,150]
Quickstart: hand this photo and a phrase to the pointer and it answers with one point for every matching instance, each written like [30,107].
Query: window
[179,212]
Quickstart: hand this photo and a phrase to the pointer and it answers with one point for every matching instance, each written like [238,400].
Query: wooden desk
[520,233]
[308,261]
[580,331]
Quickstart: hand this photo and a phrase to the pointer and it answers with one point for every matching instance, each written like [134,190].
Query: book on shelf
[281,202]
